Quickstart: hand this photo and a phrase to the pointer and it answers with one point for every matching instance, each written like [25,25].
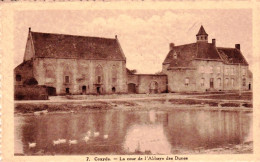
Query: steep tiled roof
[24,65]
[202,31]
[187,53]
[231,56]
[69,46]
[207,51]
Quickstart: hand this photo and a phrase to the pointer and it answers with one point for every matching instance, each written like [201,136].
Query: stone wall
[82,76]
[35,92]
[148,83]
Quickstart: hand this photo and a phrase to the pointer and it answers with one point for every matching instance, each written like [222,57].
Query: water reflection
[127,132]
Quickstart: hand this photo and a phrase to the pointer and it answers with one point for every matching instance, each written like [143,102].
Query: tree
[133,71]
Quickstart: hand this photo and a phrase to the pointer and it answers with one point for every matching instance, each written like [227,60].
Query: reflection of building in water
[193,129]
[146,131]
[147,138]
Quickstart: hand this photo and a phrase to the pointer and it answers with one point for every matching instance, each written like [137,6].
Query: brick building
[69,64]
[202,66]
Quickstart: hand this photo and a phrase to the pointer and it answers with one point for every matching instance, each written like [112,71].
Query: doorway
[211,82]
[113,89]
[51,91]
[131,88]
[98,90]
[67,90]
[84,89]
[249,86]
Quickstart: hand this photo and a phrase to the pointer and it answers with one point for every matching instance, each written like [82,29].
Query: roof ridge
[184,45]
[73,35]
[226,47]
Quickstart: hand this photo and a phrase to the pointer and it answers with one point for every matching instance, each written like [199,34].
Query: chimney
[237,46]
[116,36]
[214,42]
[29,29]
[171,46]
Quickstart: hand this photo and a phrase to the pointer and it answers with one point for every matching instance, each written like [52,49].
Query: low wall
[148,83]
[35,92]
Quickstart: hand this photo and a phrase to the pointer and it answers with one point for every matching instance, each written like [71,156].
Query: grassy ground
[162,104]
[244,96]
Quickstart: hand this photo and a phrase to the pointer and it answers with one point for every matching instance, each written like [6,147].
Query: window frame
[187,81]
[202,82]
[66,79]
[20,77]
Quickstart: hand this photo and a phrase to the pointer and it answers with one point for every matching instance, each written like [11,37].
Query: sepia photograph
[152,83]
[133,82]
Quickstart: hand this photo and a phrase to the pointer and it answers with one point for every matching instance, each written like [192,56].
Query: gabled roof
[231,56]
[187,53]
[202,31]
[70,46]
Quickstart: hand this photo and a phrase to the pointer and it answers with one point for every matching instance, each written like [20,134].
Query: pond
[129,132]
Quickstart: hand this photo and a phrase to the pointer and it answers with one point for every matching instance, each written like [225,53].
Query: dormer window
[175,55]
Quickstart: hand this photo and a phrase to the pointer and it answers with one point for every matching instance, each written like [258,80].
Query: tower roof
[202,31]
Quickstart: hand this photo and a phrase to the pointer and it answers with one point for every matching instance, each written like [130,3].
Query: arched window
[232,82]
[226,81]
[244,82]
[114,74]
[99,74]
[67,74]
[49,74]
[219,82]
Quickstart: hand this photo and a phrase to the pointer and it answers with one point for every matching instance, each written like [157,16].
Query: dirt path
[63,99]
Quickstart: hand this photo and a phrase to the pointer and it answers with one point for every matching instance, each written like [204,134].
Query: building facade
[69,64]
[202,66]
[146,83]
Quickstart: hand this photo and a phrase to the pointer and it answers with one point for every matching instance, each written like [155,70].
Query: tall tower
[202,36]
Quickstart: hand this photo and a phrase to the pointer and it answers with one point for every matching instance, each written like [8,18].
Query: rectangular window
[244,81]
[227,71]
[211,69]
[232,82]
[243,71]
[187,81]
[67,79]
[18,78]
[202,82]
[202,69]
[233,71]
[218,70]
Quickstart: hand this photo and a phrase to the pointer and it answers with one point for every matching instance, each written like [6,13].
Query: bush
[30,81]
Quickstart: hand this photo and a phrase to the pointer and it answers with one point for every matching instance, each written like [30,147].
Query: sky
[144,35]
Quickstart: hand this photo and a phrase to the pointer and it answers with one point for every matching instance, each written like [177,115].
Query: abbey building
[68,64]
